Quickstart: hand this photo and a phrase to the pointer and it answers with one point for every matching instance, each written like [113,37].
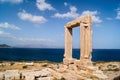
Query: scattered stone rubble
[110,67]
[56,71]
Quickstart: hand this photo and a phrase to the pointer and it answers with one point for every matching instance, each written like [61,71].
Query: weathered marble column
[68,43]
[86,36]
[89,37]
[86,41]
[82,41]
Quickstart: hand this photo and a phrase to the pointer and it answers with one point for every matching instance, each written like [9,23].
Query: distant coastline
[4,46]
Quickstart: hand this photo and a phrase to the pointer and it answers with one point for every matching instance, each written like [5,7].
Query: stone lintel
[76,23]
[73,23]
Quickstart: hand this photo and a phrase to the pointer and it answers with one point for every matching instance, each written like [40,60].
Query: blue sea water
[54,55]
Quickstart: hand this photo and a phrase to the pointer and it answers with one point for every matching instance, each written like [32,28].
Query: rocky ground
[55,71]
[111,69]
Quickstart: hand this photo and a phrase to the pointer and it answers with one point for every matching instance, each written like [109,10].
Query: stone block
[12,75]
[99,74]
[45,78]
[2,75]
[29,64]
[27,75]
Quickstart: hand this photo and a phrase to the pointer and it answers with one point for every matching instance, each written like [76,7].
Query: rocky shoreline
[56,71]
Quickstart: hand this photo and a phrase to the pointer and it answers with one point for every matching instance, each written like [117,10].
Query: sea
[54,55]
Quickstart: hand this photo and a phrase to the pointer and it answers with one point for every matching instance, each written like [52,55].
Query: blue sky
[40,23]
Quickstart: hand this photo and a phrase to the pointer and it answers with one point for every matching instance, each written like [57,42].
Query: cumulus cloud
[32,18]
[118,13]
[9,26]
[42,5]
[95,18]
[65,3]
[71,14]
[12,1]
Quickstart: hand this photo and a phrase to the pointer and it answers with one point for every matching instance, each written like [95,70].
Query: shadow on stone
[117,78]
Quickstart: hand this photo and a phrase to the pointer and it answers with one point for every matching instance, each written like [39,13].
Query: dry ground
[111,69]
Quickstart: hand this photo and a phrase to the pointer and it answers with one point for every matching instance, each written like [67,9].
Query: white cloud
[34,40]
[3,33]
[71,14]
[118,13]
[12,1]
[26,42]
[65,3]
[5,36]
[32,18]
[42,5]
[95,18]
[10,26]
[108,18]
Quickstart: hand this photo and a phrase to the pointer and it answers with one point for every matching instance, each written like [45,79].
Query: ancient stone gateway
[85,24]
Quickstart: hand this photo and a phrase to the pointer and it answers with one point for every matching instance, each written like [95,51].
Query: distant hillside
[4,46]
